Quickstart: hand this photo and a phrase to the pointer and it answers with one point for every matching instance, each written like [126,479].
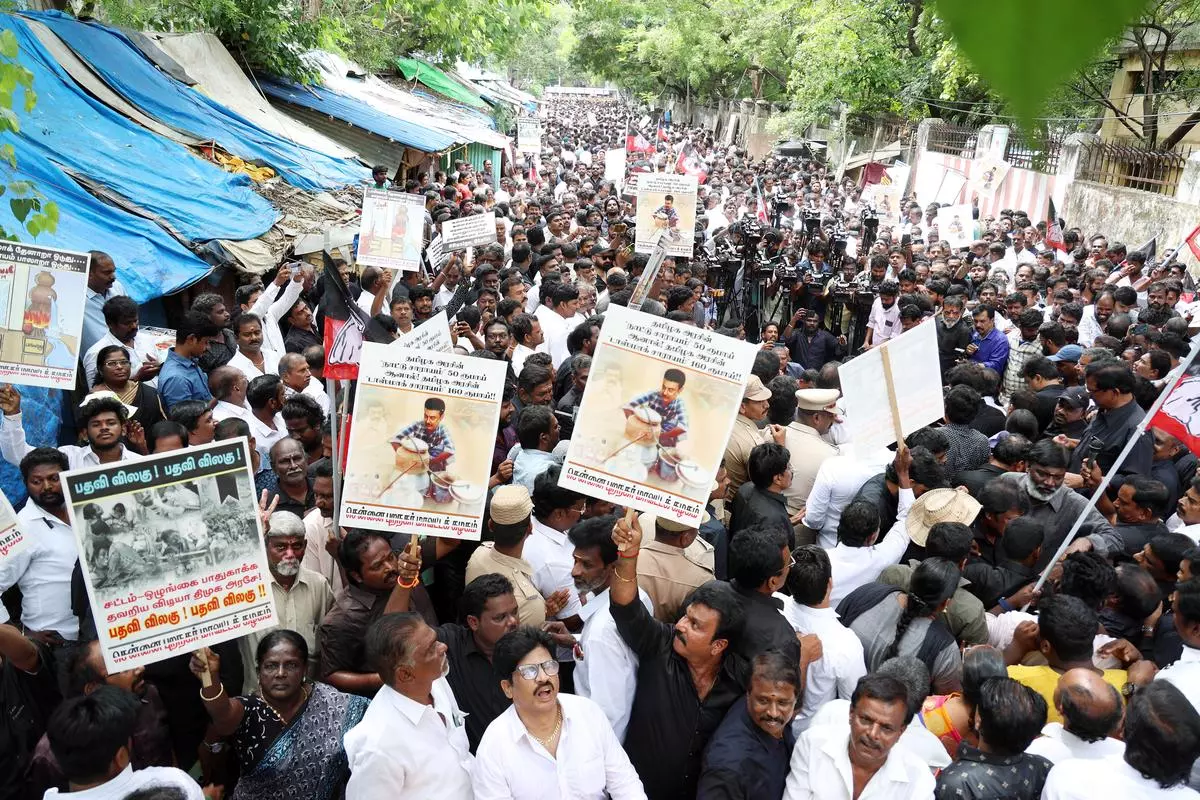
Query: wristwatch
[214,747]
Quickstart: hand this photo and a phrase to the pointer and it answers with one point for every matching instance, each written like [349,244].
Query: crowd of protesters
[844,623]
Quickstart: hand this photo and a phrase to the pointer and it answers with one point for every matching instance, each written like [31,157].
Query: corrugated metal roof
[356,112]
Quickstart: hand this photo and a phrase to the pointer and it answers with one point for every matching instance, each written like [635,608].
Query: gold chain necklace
[553,734]
[307,690]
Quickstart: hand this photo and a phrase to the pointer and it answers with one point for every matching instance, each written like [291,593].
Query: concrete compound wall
[1129,215]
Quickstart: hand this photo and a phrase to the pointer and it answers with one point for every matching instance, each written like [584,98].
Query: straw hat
[940,505]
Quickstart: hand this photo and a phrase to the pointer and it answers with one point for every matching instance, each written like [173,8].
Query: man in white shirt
[121,319]
[837,482]
[1186,519]
[548,745]
[527,333]
[274,303]
[265,396]
[857,559]
[319,530]
[830,762]
[103,420]
[43,569]
[606,669]
[1091,710]
[91,736]
[1184,674]
[297,379]
[884,321]
[548,550]
[1162,740]
[376,284]
[228,385]
[412,742]
[835,674]
[557,322]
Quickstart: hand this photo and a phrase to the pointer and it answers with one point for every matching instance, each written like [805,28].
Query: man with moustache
[860,760]
[748,755]
[302,597]
[43,570]
[415,706]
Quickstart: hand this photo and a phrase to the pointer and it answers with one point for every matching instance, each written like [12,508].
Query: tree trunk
[913,21]
[1181,131]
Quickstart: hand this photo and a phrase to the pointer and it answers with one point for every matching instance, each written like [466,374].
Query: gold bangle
[216,696]
[619,577]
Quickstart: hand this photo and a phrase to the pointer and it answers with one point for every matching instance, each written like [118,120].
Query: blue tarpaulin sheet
[126,69]
[196,198]
[356,112]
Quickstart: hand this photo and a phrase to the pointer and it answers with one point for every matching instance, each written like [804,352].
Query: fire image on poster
[421,446]
[42,296]
[172,551]
[392,230]
[666,204]
[12,538]
[660,403]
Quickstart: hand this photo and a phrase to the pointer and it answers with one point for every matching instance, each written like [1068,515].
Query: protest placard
[12,539]
[433,334]
[529,135]
[649,277]
[172,551]
[472,231]
[660,404]
[436,254]
[987,175]
[162,339]
[666,204]
[917,378]
[392,229]
[614,165]
[886,199]
[956,225]
[42,298]
[421,446]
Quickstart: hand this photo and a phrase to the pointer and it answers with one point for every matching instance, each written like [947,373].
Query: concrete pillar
[1189,182]
[1069,164]
[992,142]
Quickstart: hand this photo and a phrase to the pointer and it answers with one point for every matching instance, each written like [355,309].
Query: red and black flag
[346,325]
[1054,231]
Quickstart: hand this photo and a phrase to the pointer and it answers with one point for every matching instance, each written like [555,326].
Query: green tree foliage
[33,212]
[273,35]
[270,35]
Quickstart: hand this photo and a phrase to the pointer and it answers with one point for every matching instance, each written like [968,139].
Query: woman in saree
[288,737]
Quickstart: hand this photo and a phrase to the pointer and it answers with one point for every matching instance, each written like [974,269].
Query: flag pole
[335,438]
[1172,380]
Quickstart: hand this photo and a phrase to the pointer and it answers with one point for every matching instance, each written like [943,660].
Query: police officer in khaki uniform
[747,434]
[816,411]
[673,564]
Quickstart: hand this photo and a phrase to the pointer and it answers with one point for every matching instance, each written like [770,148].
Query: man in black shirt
[760,501]
[1043,378]
[1111,387]
[953,332]
[1070,414]
[759,561]
[750,752]
[685,681]
[1008,455]
[28,693]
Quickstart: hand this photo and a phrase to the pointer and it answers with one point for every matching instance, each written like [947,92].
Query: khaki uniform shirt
[745,437]
[808,451]
[531,606]
[298,609]
[669,574]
